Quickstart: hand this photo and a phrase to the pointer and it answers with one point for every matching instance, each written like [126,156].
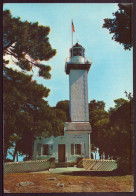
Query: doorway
[61,152]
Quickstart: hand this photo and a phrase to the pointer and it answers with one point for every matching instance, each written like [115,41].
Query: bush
[26,159]
[125,165]
[8,160]
[71,164]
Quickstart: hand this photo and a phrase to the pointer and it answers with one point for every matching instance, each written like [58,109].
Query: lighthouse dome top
[77,59]
[77,50]
[77,45]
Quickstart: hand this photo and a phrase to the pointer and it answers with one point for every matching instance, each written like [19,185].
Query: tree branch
[9,45]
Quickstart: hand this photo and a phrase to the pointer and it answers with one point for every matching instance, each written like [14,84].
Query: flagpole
[72,32]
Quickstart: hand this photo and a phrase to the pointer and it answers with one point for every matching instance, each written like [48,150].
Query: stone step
[61,164]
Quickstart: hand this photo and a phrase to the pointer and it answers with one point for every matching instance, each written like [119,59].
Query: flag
[73,29]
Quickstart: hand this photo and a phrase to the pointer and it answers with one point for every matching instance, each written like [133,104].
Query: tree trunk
[5,152]
[31,150]
[17,156]
[15,152]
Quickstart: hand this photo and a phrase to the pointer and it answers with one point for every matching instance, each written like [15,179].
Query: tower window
[72,149]
[47,149]
[77,148]
[77,52]
[39,149]
[83,149]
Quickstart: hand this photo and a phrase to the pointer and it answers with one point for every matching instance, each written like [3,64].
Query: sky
[111,73]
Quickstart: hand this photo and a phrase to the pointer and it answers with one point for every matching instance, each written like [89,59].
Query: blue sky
[112,67]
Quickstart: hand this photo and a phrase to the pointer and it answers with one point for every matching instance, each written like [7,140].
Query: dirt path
[66,182]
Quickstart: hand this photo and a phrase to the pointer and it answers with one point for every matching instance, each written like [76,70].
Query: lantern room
[77,59]
[77,50]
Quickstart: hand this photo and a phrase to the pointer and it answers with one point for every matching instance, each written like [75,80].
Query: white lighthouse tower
[75,142]
[77,66]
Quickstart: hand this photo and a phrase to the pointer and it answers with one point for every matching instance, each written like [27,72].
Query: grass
[73,182]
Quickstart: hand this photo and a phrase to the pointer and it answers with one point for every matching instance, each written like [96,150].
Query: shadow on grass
[95,173]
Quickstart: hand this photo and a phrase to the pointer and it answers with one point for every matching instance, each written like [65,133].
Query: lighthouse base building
[67,148]
[76,139]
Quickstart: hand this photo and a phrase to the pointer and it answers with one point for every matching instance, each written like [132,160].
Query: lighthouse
[75,143]
[76,140]
[77,66]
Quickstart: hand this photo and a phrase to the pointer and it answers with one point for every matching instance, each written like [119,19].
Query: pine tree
[26,113]
[121,25]
[27,43]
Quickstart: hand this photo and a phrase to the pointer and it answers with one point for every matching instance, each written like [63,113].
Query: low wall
[27,166]
[97,165]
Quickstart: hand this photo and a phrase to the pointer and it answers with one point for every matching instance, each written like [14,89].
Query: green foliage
[99,120]
[60,114]
[26,113]
[112,131]
[126,162]
[121,25]
[8,160]
[64,106]
[119,102]
[121,127]
[28,43]
[22,100]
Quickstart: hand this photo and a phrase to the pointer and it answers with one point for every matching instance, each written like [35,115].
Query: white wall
[67,139]
[78,85]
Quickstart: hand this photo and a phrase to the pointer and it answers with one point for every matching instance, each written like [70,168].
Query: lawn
[67,182]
